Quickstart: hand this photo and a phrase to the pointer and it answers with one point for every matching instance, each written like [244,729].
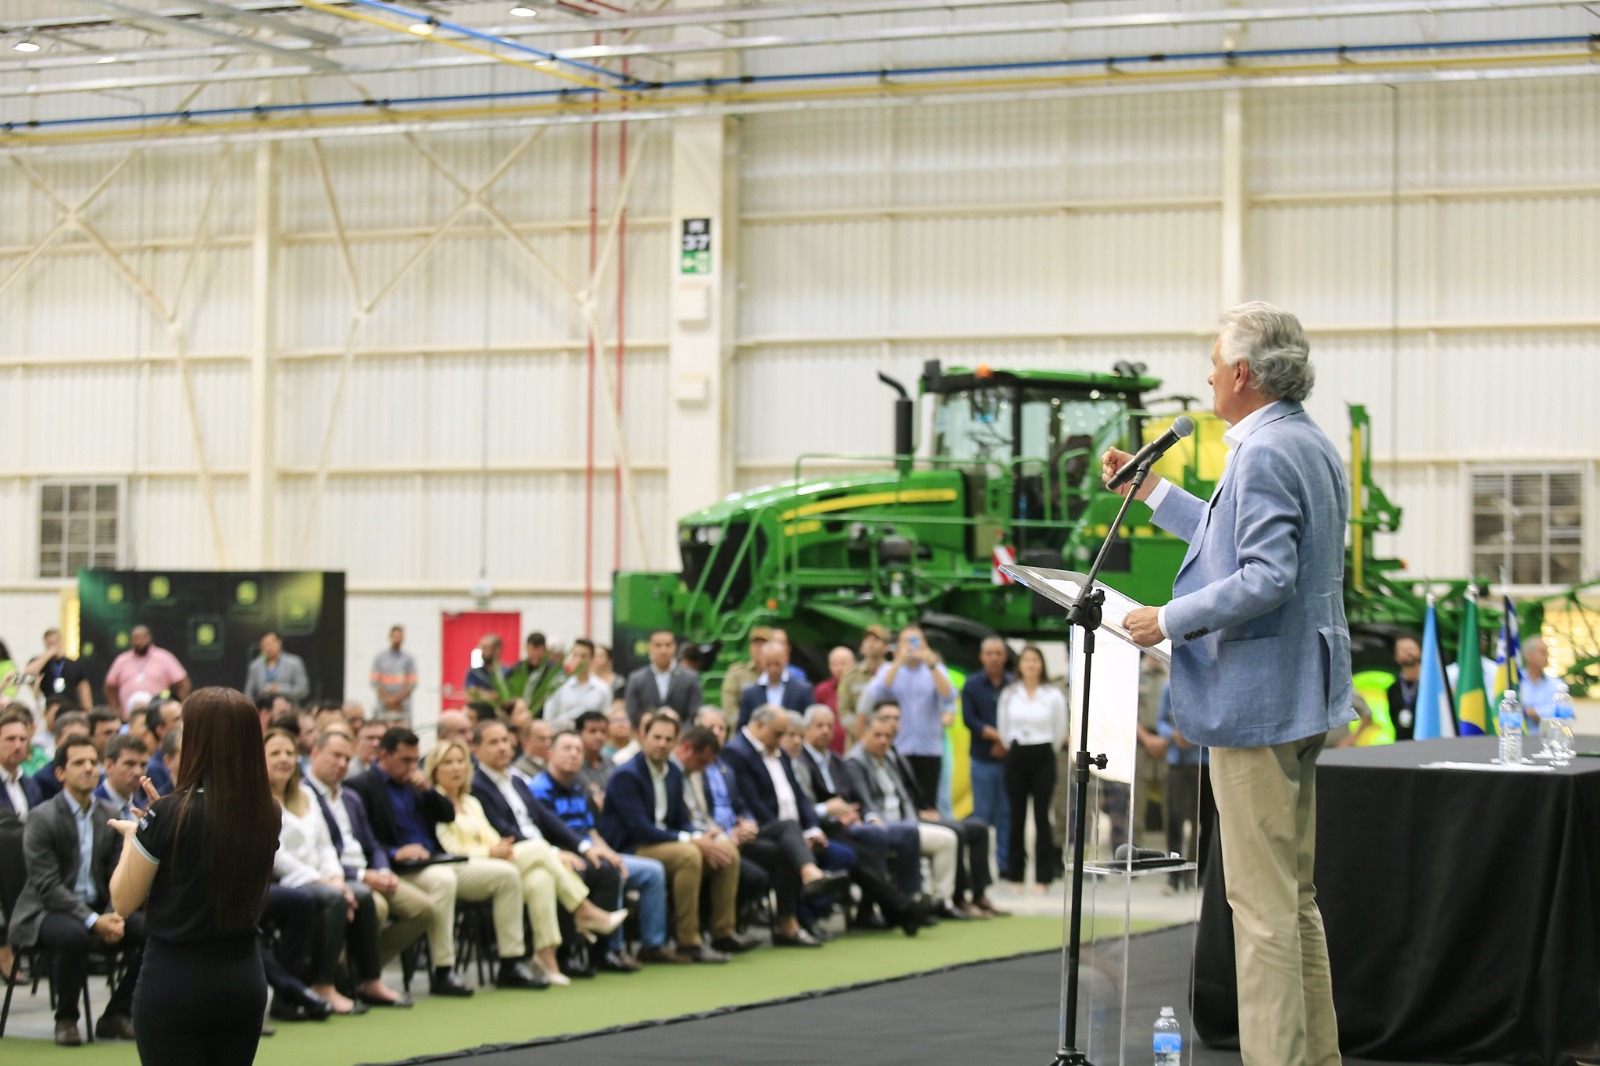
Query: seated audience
[560,788]
[645,814]
[18,793]
[160,719]
[453,727]
[70,850]
[123,766]
[69,724]
[717,810]
[104,723]
[619,731]
[595,773]
[306,859]
[533,747]
[363,861]
[367,740]
[543,877]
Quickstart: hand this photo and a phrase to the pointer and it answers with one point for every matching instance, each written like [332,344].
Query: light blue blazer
[1260,646]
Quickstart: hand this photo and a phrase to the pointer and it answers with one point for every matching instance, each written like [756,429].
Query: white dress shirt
[663,682]
[788,805]
[574,697]
[1037,719]
[352,857]
[1236,435]
[519,810]
[305,848]
[19,798]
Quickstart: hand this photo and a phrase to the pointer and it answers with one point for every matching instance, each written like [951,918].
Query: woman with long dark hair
[1032,725]
[199,861]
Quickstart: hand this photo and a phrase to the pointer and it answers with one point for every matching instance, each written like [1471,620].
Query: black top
[179,910]
[61,677]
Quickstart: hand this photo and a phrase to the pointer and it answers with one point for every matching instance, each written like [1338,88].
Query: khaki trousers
[438,885]
[499,882]
[412,912]
[1267,818]
[545,880]
[686,869]
[939,844]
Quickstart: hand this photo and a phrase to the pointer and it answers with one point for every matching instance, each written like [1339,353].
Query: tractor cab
[1028,441]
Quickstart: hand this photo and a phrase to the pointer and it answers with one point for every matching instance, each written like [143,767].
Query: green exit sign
[694,251]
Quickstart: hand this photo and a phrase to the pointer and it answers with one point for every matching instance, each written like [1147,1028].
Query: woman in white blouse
[546,878]
[306,860]
[1032,725]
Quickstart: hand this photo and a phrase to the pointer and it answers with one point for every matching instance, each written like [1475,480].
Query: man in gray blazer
[1261,667]
[279,672]
[662,682]
[66,906]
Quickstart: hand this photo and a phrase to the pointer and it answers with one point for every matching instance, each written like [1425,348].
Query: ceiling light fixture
[27,44]
[424,29]
[106,59]
[523,11]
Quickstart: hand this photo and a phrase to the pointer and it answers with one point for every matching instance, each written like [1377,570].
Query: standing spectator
[144,670]
[841,660]
[394,677]
[199,862]
[65,905]
[580,692]
[275,671]
[1403,693]
[605,671]
[1189,802]
[921,686]
[1032,725]
[1150,754]
[980,709]
[534,743]
[742,675]
[776,687]
[536,675]
[1538,687]
[487,682]
[56,675]
[10,678]
[662,682]
[853,685]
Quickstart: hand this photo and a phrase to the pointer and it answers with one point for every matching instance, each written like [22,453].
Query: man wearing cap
[741,676]
[853,685]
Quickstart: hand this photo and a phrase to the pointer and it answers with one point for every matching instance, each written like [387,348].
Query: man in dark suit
[65,905]
[402,811]
[514,811]
[19,793]
[366,866]
[662,683]
[777,686]
[827,786]
[126,757]
[645,814]
[788,832]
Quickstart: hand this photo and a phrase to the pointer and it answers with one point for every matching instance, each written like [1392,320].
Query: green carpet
[656,992]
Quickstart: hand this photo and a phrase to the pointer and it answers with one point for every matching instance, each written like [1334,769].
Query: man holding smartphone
[919,683]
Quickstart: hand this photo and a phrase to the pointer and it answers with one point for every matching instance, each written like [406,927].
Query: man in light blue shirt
[919,683]
[1537,690]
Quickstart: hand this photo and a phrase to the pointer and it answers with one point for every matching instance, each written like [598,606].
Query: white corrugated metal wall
[441,435]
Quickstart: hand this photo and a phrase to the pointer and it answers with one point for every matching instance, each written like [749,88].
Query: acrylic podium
[1114,1021]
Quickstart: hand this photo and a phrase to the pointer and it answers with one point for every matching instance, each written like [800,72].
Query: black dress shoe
[870,921]
[731,945]
[577,971]
[821,935]
[446,983]
[705,954]
[832,882]
[402,1001]
[917,914]
[801,939]
[114,1027]
[304,1005]
[356,1007]
[618,962]
[514,973]
[67,1034]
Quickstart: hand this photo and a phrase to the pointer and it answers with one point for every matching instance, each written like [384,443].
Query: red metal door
[460,636]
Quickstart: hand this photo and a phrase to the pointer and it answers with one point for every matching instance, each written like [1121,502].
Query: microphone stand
[1085,614]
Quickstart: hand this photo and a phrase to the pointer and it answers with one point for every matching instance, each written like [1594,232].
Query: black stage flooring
[990,1012]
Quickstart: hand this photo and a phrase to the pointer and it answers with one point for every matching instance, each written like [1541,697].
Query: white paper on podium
[1114,691]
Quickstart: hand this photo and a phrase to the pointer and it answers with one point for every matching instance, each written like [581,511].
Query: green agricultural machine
[1012,473]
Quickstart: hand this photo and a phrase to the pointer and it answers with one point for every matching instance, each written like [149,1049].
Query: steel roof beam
[194,28]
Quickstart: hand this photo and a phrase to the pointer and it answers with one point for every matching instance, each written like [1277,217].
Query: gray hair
[812,713]
[1273,347]
[769,713]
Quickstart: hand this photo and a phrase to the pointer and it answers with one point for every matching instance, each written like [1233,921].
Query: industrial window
[80,526]
[1527,526]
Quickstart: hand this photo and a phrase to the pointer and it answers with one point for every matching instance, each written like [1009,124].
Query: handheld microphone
[1125,852]
[1181,427]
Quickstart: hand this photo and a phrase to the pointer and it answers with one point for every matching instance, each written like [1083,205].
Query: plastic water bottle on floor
[1510,725]
[1168,1040]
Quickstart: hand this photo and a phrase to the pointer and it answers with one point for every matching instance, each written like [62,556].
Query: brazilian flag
[1472,703]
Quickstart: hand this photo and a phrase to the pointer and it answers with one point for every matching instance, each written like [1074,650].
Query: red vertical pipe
[622,303]
[588,473]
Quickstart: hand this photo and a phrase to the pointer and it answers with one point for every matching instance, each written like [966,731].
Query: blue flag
[1434,719]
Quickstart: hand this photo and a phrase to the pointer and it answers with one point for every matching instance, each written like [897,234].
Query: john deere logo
[86,650]
[205,634]
[247,593]
[160,588]
[113,593]
[121,639]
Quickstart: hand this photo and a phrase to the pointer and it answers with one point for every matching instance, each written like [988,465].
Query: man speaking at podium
[1261,666]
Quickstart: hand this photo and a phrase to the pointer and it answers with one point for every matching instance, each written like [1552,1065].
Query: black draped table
[1462,907]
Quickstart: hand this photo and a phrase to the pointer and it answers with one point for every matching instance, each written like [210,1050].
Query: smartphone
[914,643]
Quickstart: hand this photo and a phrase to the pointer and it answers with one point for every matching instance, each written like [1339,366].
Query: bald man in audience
[453,725]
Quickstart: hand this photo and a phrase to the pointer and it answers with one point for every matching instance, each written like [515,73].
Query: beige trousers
[499,882]
[939,843]
[438,884]
[686,869]
[545,881]
[1267,819]
[412,911]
